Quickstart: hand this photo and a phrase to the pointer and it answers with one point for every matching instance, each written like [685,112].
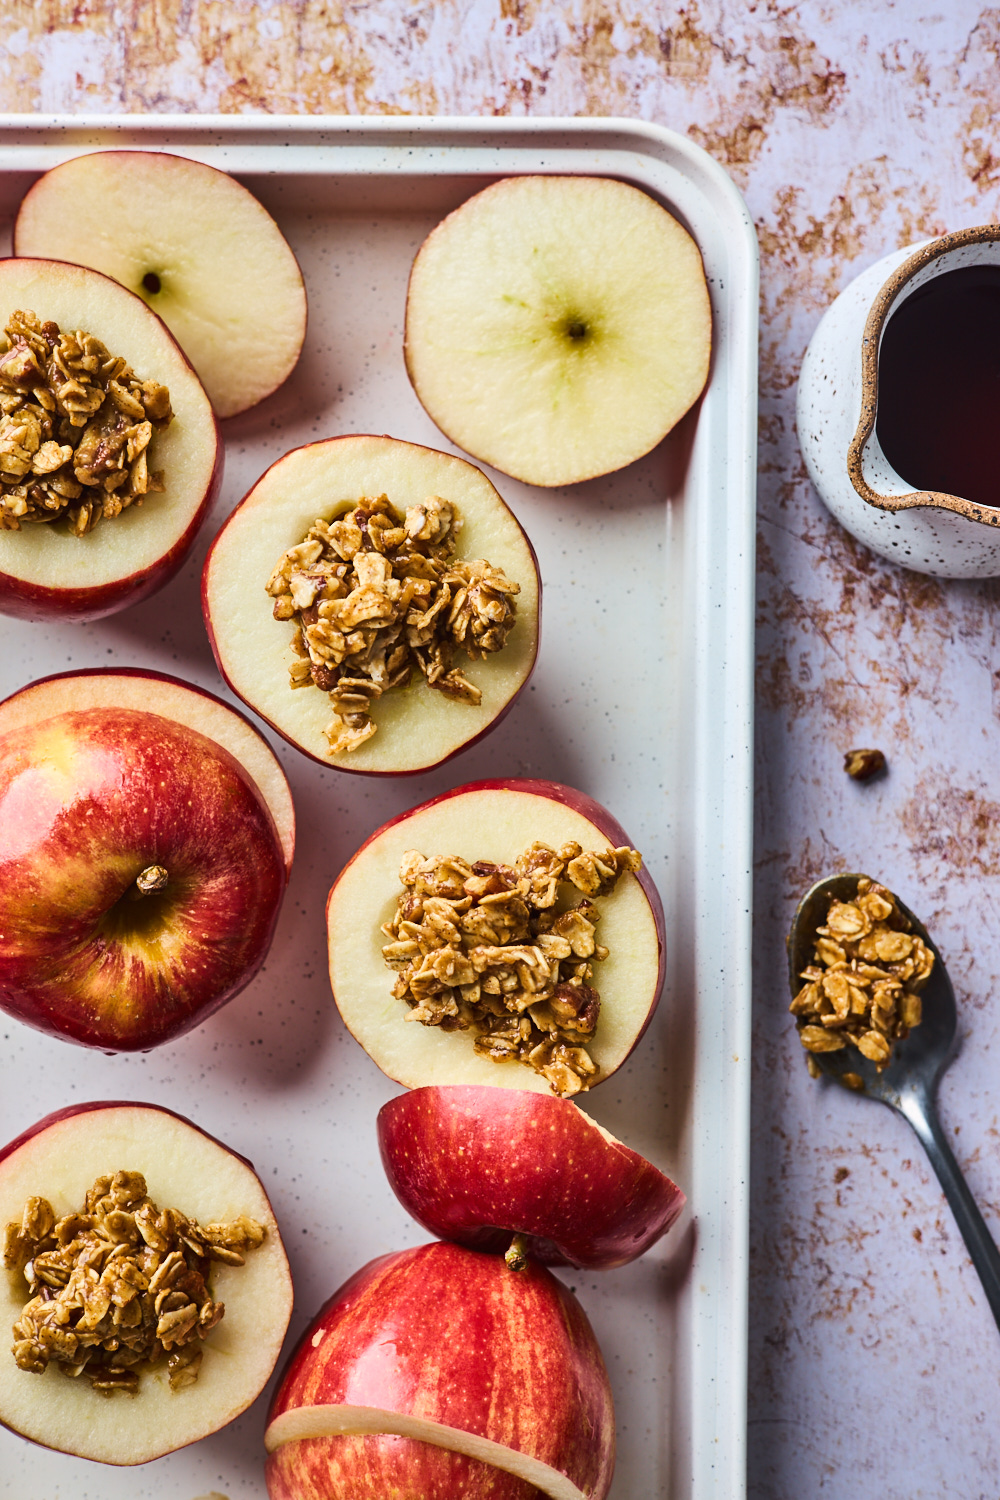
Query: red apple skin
[319,759]
[149,680]
[454,1337]
[88,800]
[478,1165]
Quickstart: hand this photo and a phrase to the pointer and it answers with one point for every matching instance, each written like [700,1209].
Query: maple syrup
[938,418]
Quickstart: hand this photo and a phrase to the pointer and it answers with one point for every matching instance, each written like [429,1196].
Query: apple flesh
[558,327]
[437,1372]
[195,245]
[141,874]
[59,1159]
[417,727]
[46,572]
[183,703]
[493,821]
[478,1165]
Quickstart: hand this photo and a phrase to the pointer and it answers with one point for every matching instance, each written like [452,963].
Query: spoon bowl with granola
[876,1012]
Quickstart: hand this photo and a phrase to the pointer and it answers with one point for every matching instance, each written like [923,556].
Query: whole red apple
[478,1165]
[141,874]
[436,1373]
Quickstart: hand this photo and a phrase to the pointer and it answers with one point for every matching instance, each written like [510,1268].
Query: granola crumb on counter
[488,948]
[75,428]
[375,595]
[863,985]
[862,765]
[120,1285]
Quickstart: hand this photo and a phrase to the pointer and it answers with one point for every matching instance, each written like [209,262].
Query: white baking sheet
[642,697]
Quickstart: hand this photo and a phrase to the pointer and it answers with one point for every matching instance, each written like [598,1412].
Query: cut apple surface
[141,868]
[417,727]
[196,245]
[435,1373]
[488,822]
[477,1165]
[59,1159]
[183,703]
[47,572]
[558,327]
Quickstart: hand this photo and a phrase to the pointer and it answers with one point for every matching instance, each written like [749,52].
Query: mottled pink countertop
[874,1361]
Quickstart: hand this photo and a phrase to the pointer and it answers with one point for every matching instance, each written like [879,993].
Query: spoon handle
[918,1107]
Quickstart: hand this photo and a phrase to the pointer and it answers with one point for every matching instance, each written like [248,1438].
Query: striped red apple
[437,1372]
[141,863]
[479,1165]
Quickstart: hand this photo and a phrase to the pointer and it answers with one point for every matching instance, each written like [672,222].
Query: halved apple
[418,728]
[558,327]
[477,1165]
[194,244]
[435,1373]
[488,821]
[59,1159]
[141,864]
[45,571]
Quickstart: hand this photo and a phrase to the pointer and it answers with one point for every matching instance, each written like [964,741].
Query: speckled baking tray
[642,697]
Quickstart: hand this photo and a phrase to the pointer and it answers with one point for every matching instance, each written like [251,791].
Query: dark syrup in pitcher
[938,418]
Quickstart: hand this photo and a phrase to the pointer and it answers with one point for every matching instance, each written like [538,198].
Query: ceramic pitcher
[930,532]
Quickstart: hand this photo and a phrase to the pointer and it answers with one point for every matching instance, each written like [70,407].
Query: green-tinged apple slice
[196,245]
[59,1160]
[141,864]
[558,327]
[490,824]
[437,1372]
[46,571]
[182,702]
[416,727]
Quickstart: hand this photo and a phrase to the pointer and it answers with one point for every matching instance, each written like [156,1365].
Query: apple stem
[152,878]
[517,1255]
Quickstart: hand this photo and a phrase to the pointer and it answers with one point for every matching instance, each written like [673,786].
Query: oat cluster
[75,428]
[119,1285]
[377,595]
[489,949]
[862,986]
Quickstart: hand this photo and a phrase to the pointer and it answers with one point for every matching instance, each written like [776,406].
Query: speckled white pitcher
[837,400]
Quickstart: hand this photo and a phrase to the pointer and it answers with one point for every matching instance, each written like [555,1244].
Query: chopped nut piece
[375,596]
[120,1285]
[75,428]
[484,948]
[863,984]
[862,765]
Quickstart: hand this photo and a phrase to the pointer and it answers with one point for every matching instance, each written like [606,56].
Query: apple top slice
[494,821]
[59,1159]
[194,244]
[417,727]
[45,572]
[155,692]
[478,1165]
[558,327]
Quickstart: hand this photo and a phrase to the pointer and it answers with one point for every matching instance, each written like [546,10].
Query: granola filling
[493,949]
[376,595]
[863,985]
[120,1286]
[75,428]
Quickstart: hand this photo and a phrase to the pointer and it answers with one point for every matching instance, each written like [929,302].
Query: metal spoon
[908,1083]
